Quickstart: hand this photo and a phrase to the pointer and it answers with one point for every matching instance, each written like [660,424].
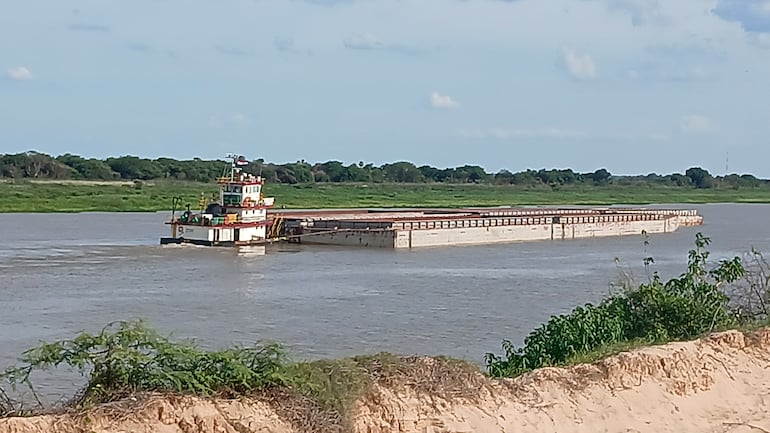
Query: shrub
[128,356]
[681,308]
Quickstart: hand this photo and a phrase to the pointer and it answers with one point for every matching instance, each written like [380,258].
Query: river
[64,273]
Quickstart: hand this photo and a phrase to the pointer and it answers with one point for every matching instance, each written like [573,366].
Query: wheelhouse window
[231,199]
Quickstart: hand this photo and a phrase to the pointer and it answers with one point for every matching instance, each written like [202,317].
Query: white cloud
[443,101]
[19,73]
[509,133]
[363,41]
[580,66]
[369,42]
[696,123]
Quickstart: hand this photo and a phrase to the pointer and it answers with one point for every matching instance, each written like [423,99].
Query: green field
[74,196]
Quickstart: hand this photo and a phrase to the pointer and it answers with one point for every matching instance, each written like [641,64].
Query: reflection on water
[63,273]
[252,250]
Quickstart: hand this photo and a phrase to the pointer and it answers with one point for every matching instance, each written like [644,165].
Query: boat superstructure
[238,217]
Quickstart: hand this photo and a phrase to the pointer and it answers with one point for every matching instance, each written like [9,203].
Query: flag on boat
[241,161]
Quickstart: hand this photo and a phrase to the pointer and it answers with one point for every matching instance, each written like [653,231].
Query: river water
[64,273]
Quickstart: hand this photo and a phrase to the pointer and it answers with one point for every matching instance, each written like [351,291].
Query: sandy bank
[717,384]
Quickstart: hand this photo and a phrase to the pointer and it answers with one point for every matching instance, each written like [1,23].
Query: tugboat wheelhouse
[238,217]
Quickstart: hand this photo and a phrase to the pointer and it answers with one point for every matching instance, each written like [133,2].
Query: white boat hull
[221,235]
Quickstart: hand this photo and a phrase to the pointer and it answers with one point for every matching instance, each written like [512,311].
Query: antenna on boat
[232,157]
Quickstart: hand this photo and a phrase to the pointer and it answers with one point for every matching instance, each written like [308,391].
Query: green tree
[431,174]
[356,173]
[503,177]
[528,177]
[402,171]
[132,167]
[471,174]
[699,177]
[558,177]
[334,170]
[301,171]
[680,180]
[600,177]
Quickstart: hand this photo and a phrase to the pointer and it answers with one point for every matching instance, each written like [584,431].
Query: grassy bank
[157,195]
[127,358]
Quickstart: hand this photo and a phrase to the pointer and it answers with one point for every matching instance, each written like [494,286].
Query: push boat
[238,218]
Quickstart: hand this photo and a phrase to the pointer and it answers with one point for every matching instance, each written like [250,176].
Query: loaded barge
[446,227]
[240,217]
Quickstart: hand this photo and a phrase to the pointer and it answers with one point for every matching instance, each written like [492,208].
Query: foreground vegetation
[50,196]
[128,358]
[682,308]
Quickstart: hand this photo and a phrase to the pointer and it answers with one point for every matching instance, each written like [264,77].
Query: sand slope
[717,384]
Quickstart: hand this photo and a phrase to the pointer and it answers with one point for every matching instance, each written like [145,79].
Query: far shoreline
[74,196]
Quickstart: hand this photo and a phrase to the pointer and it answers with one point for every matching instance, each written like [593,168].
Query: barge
[239,217]
[416,228]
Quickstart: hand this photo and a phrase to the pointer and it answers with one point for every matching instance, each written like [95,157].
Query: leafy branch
[125,357]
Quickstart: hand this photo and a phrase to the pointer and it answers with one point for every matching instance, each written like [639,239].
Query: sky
[634,86]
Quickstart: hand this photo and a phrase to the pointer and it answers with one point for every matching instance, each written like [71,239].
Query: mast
[232,157]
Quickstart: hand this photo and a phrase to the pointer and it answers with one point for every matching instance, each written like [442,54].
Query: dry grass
[303,412]
[326,392]
[441,377]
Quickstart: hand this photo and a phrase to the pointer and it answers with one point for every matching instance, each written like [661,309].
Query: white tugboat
[238,218]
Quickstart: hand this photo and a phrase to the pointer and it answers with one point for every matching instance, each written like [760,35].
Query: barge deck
[414,228]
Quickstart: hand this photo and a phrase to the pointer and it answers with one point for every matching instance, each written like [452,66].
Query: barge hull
[535,232]
[480,226]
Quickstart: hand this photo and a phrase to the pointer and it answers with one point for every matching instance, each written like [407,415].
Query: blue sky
[631,85]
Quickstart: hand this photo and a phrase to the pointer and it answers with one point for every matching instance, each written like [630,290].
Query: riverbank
[150,196]
[717,383]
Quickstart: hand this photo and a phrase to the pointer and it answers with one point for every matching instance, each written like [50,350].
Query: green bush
[681,308]
[128,356]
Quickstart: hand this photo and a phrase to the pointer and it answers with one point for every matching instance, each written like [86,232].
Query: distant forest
[33,165]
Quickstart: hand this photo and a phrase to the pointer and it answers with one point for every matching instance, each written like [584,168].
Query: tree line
[34,165]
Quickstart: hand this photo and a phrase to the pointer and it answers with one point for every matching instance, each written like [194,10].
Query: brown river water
[65,273]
